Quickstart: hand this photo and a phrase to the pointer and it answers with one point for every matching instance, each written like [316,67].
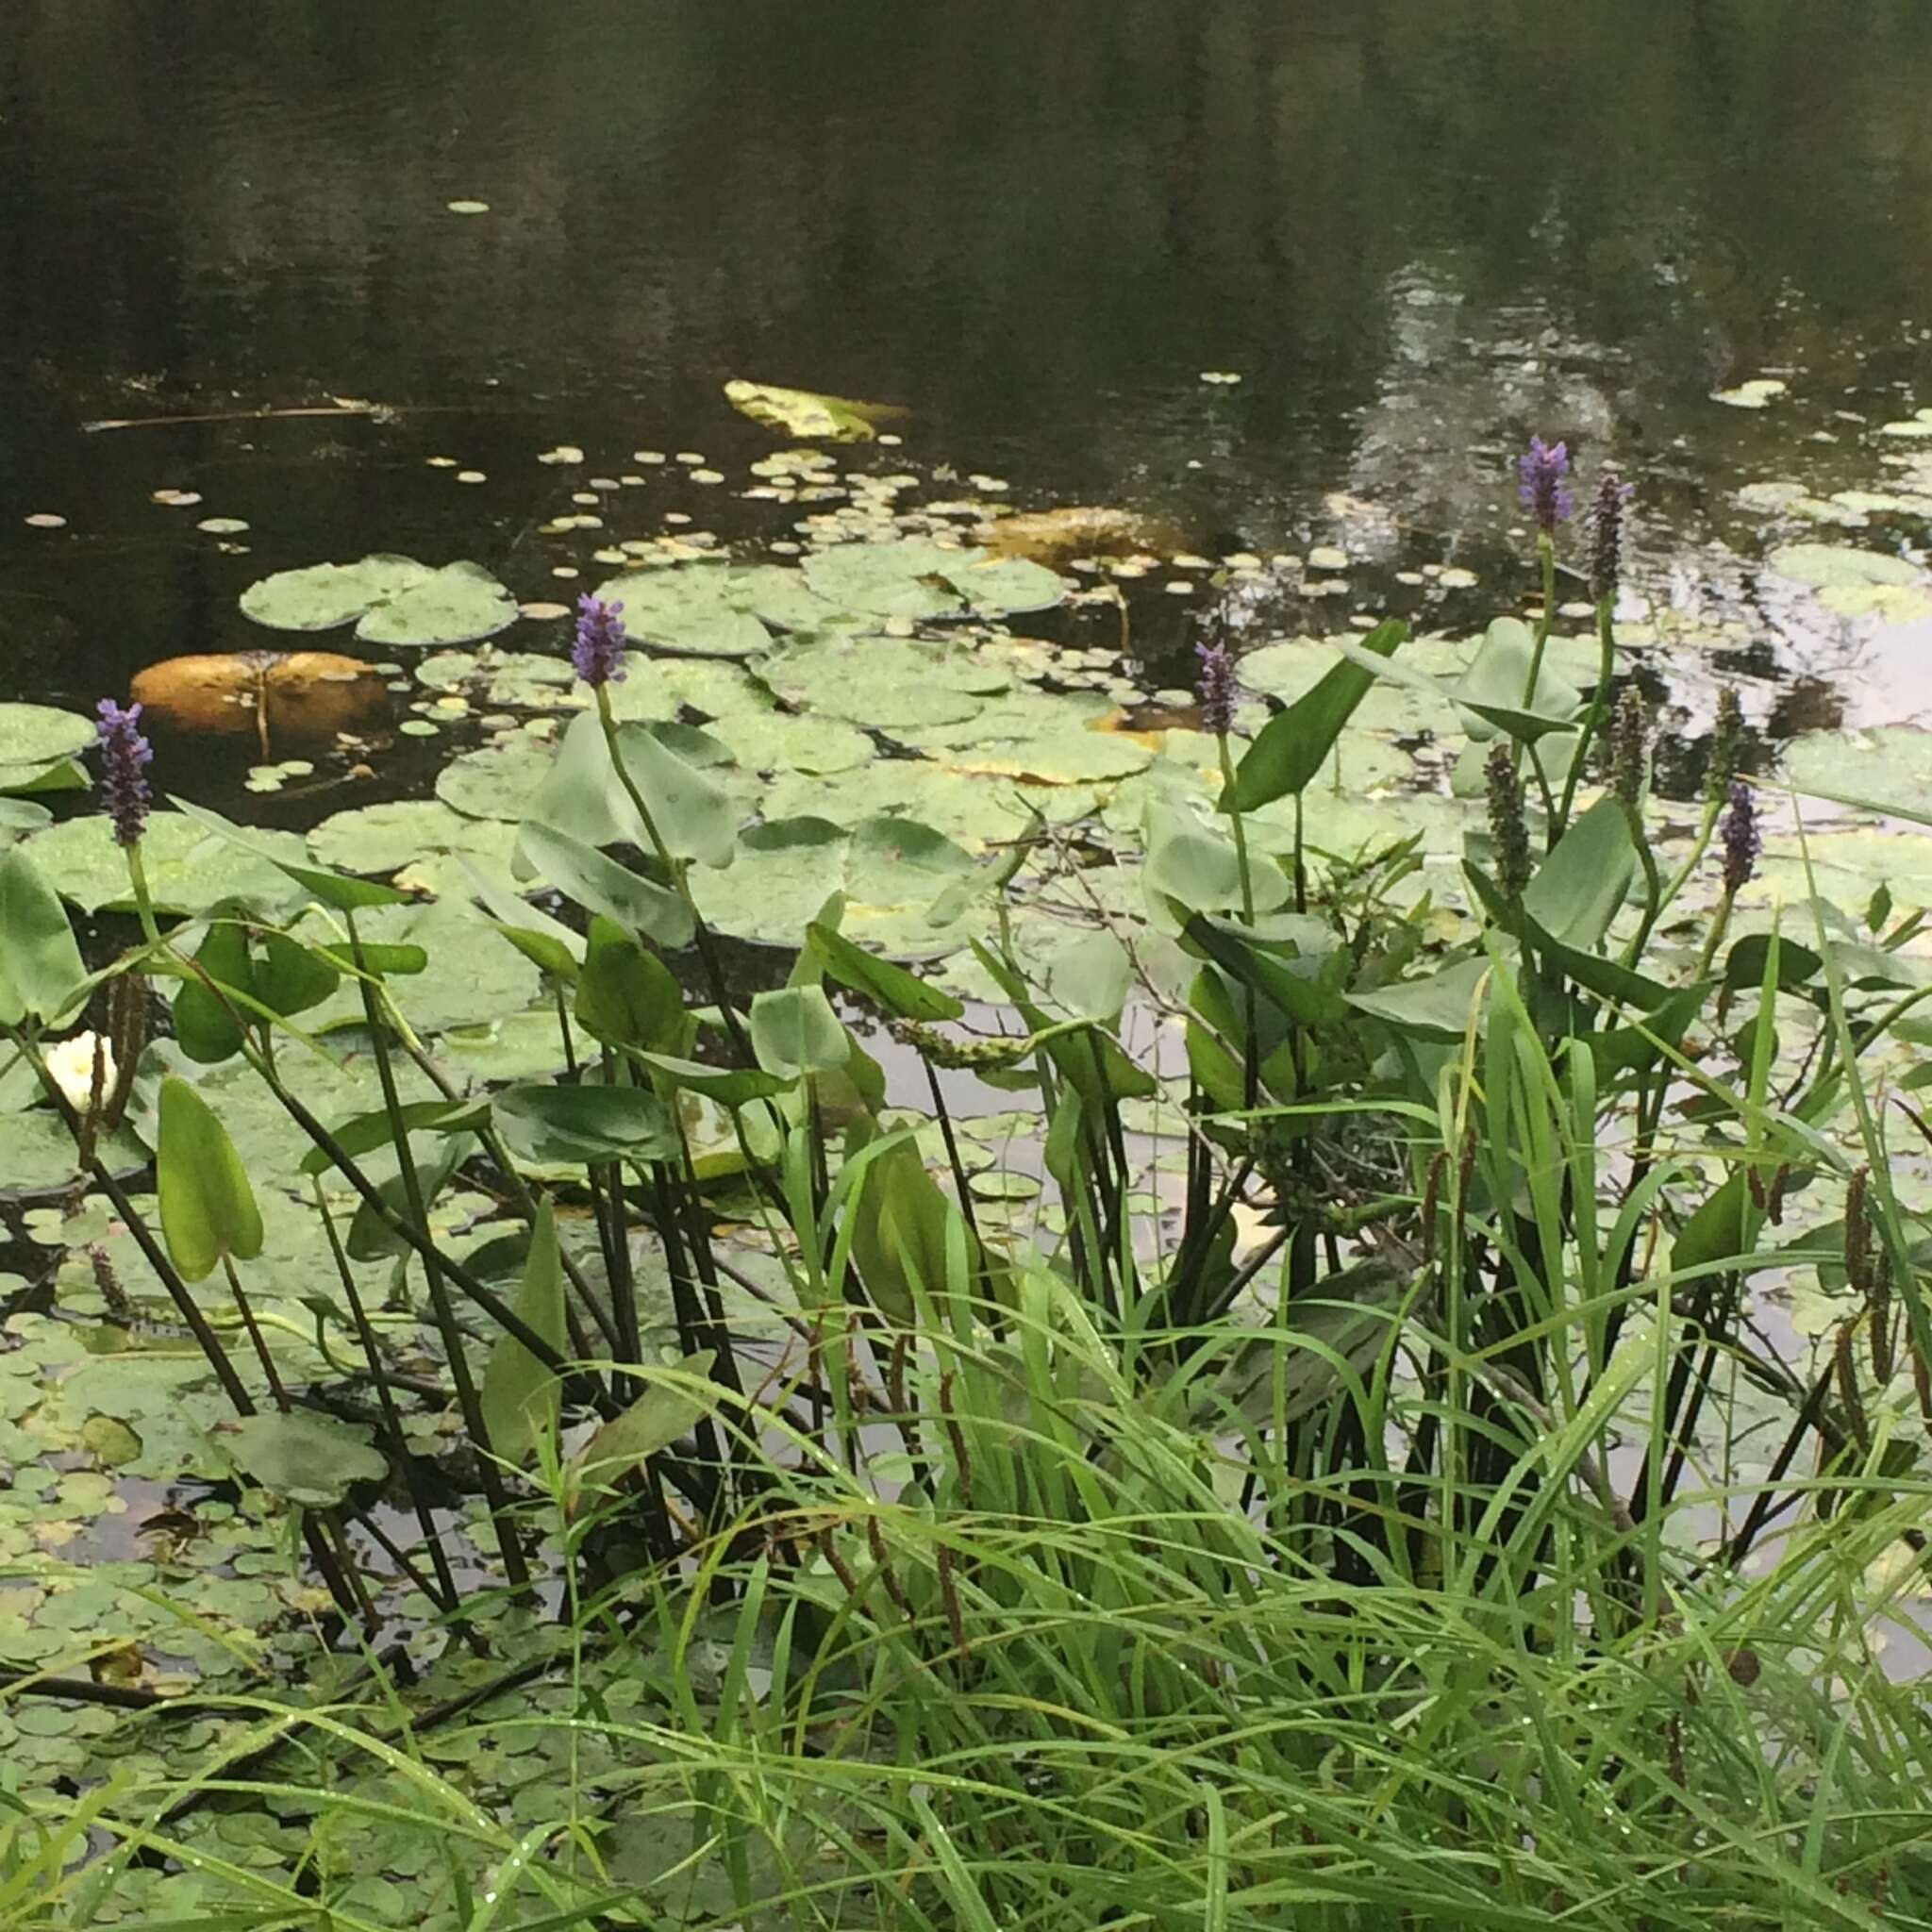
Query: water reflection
[1416,232]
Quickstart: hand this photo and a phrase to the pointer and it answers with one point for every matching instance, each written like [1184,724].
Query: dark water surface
[1417,229]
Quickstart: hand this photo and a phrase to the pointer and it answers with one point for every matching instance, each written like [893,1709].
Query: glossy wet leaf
[303,1456]
[207,1024]
[626,995]
[519,1395]
[1434,1006]
[1578,889]
[206,1205]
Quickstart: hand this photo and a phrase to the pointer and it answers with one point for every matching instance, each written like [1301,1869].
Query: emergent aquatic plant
[1285,1483]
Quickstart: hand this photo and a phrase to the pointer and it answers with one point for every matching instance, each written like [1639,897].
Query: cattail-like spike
[599,652]
[1542,484]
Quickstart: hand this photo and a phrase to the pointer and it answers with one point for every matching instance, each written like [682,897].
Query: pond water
[1414,233]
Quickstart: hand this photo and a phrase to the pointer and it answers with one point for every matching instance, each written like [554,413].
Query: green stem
[1714,938]
[1599,705]
[1713,807]
[144,901]
[1250,1056]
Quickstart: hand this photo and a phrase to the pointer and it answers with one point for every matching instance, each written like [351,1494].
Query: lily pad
[498,780]
[689,607]
[909,578]
[36,1151]
[375,839]
[807,415]
[392,600]
[892,684]
[1892,763]
[1858,583]
[1755,394]
[303,1457]
[890,870]
[33,736]
[525,679]
[189,870]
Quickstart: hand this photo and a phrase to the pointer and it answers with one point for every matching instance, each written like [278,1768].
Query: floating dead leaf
[1058,536]
[300,694]
[804,412]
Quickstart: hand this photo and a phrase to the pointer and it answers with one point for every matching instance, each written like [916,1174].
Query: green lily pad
[302,1456]
[973,811]
[33,737]
[1858,583]
[37,1152]
[498,780]
[890,870]
[909,578]
[189,871]
[525,680]
[1892,763]
[458,603]
[392,600]
[473,975]
[892,684]
[375,839]
[1004,585]
[688,606]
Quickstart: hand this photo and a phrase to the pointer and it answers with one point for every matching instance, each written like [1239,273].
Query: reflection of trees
[1000,211]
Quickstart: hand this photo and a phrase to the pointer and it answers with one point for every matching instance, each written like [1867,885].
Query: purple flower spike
[598,653]
[1743,841]
[1607,535]
[1217,687]
[125,756]
[1544,495]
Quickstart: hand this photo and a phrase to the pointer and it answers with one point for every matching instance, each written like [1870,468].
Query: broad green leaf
[794,1031]
[1436,1006]
[1525,726]
[1293,745]
[40,967]
[626,996]
[206,1027]
[303,1457]
[331,887]
[729,1086]
[208,1207]
[664,1412]
[520,1396]
[365,1132]
[577,1126]
[692,813]
[1576,892]
[893,988]
[600,884]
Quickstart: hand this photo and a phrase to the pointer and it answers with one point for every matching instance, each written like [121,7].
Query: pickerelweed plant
[1323,1509]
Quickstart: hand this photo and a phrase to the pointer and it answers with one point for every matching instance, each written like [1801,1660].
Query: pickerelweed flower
[1726,740]
[1630,747]
[1508,830]
[1217,687]
[125,756]
[1743,841]
[598,653]
[1544,494]
[1607,535]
